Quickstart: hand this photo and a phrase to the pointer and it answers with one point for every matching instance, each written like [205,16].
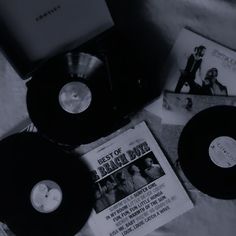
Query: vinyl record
[44,190]
[69,100]
[207,151]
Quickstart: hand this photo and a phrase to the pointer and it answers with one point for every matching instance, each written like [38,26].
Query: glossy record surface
[194,157]
[28,159]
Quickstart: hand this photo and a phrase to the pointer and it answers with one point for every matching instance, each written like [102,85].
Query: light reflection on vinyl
[75,94]
[82,64]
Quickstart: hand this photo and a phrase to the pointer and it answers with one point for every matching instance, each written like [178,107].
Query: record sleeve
[199,65]
[136,189]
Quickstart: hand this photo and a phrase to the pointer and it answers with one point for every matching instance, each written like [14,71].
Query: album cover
[178,109]
[198,65]
[136,189]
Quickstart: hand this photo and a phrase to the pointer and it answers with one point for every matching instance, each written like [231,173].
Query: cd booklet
[136,190]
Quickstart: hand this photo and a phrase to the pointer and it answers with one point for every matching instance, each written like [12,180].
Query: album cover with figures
[136,189]
[198,65]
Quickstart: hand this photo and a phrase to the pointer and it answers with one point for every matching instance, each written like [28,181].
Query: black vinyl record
[44,190]
[69,100]
[207,151]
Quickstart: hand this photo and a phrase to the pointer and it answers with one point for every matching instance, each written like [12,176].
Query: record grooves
[46,109]
[27,161]
[207,154]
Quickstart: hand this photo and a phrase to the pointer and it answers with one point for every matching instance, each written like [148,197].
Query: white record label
[75,97]
[46,196]
[222,151]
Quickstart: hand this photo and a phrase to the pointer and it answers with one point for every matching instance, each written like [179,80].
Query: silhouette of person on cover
[101,203]
[210,84]
[125,186]
[153,171]
[110,193]
[188,104]
[137,179]
[188,75]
